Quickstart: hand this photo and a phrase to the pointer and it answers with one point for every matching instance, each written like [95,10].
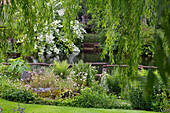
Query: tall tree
[126,17]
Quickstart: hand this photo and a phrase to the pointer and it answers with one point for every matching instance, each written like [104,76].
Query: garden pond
[86,56]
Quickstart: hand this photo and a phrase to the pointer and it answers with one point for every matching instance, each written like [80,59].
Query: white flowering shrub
[53,39]
[83,75]
[56,40]
[80,80]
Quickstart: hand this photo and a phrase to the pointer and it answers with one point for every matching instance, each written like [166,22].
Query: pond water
[75,57]
[71,58]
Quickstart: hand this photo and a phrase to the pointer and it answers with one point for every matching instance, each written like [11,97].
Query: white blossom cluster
[44,42]
[56,29]
[79,79]
[50,43]
[61,12]
[78,29]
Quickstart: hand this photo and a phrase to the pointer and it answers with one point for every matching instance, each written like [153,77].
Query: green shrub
[43,101]
[83,74]
[3,70]
[66,102]
[137,99]
[7,83]
[113,83]
[147,35]
[16,68]
[123,104]
[18,95]
[159,95]
[61,69]
[102,37]
[160,101]
[89,98]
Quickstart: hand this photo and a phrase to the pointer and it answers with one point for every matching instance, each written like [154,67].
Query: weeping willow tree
[127,18]
[29,20]
[116,16]
[19,19]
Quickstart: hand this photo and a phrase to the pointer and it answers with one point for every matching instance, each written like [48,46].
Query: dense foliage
[123,20]
[79,88]
[21,18]
[44,34]
[18,95]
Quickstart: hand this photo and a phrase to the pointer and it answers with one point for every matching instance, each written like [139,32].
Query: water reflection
[76,56]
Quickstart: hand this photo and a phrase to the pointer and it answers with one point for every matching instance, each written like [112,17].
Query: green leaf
[151,81]
[160,60]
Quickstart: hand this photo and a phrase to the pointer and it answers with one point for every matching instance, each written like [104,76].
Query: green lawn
[33,108]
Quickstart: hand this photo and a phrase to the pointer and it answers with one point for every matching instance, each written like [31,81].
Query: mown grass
[34,108]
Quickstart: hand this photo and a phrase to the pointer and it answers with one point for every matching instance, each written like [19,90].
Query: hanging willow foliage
[71,8]
[126,17]
[21,18]
[116,16]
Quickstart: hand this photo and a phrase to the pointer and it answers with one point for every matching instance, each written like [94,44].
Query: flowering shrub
[8,83]
[79,79]
[56,40]
[46,80]
[83,74]
[48,84]
[53,39]
[56,43]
